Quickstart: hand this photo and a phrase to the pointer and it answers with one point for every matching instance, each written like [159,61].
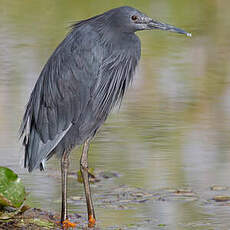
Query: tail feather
[36,152]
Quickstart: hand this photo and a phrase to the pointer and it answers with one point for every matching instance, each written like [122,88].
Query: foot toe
[67,224]
[92,221]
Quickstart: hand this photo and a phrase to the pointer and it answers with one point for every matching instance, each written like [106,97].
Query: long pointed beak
[152,24]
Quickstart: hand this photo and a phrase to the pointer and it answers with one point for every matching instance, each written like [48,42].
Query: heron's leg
[64,172]
[85,176]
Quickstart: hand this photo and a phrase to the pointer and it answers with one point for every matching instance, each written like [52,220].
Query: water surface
[172,131]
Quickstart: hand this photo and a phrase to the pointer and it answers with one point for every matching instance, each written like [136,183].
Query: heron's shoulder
[82,43]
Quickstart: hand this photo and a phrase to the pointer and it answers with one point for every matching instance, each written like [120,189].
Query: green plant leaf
[12,191]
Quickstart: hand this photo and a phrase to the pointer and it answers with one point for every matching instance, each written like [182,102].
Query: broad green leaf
[12,191]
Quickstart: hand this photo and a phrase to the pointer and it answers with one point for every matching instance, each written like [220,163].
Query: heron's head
[128,19]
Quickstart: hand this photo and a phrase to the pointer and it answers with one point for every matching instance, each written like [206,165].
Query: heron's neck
[119,39]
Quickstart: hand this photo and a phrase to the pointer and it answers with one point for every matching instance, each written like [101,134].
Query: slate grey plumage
[85,77]
[79,85]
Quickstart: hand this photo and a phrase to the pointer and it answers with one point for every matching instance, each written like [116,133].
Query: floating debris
[108,175]
[221,198]
[95,176]
[218,188]
[185,194]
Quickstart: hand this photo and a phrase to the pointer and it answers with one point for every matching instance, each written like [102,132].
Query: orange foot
[92,221]
[67,224]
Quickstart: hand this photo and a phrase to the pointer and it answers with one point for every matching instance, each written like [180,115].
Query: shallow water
[173,128]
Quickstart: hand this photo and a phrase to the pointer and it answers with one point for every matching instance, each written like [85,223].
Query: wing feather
[60,96]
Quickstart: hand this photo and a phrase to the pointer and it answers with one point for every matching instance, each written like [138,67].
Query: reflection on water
[173,129]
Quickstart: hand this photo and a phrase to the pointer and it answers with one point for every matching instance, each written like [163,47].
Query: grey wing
[60,95]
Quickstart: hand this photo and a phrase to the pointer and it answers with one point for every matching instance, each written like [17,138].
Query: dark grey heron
[81,82]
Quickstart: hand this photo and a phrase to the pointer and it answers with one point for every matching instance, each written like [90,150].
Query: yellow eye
[134,17]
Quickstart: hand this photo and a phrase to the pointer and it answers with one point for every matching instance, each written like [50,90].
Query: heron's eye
[134,17]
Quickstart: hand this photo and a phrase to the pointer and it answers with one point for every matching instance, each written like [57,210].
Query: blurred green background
[173,129]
